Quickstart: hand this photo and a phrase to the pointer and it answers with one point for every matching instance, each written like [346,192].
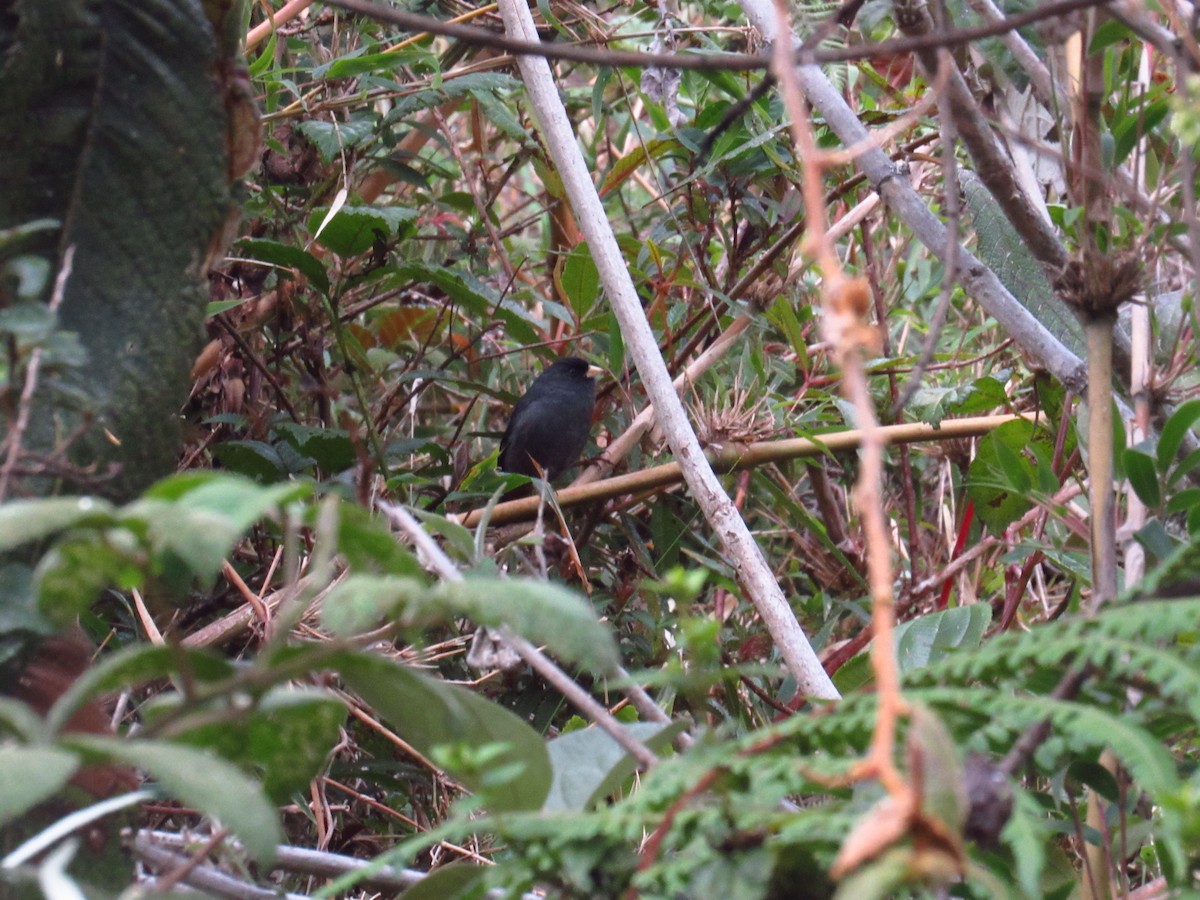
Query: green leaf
[943,792]
[580,280]
[355,229]
[31,774]
[929,638]
[1142,475]
[25,521]
[430,714]
[131,666]
[71,576]
[1025,834]
[478,298]
[254,459]
[331,139]
[351,66]
[1157,540]
[1182,501]
[197,517]
[28,322]
[330,448]
[1174,431]
[284,740]
[538,611]
[1134,125]
[589,764]
[1000,476]
[626,165]
[1007,254]
[367,545]
[931,403]
[18,720]
[456,881]
[200,779]
[983,394]
[498,111]
[286,256]
[359,603]
[458,537]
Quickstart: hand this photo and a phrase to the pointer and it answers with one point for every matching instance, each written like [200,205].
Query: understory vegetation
[929,301]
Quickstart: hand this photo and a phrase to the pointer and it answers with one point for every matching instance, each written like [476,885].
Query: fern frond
[1080,642]
[1084,728]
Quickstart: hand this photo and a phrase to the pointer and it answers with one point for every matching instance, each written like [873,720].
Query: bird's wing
[514,429]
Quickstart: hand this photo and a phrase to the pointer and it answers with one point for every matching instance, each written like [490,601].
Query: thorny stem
[844,325]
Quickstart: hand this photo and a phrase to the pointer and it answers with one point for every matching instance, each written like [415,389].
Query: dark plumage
[551,422]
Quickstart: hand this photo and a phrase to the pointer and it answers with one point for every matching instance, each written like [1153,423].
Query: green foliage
[1012,467]
[406,261]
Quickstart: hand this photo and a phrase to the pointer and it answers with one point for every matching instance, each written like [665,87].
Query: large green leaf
[134,665]
[25,521]
[432,714]
[929,638]
[200,779]
[284,740]
[31,774]
[589,764]
[539,611]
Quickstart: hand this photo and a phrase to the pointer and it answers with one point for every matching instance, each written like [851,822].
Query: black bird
[551,422]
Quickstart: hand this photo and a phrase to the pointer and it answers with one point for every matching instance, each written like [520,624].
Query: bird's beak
[594,371]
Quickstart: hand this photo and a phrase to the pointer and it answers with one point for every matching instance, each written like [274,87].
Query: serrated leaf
[330,140]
